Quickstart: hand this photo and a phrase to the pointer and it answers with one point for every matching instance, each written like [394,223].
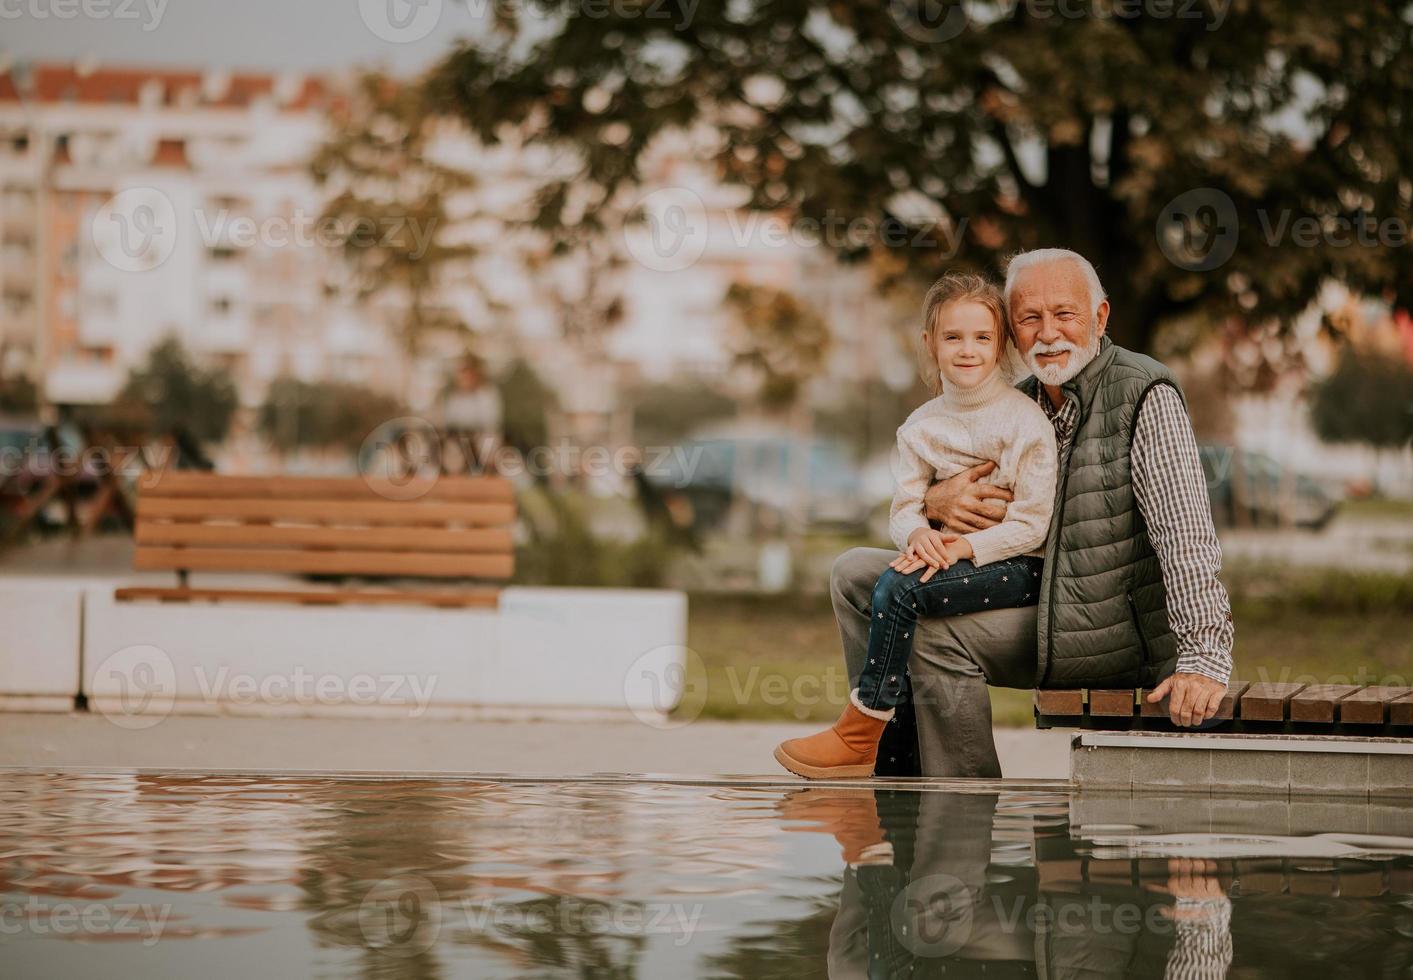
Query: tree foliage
[777,339]
[322,414]
[168,393]
[391,201]
[961,132]
[666,413]
[1368,399]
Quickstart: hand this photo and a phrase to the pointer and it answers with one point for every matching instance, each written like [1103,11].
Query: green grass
[1377,508]
[778,657]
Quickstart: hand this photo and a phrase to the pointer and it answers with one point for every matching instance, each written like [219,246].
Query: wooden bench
[459,529]
[1330,709]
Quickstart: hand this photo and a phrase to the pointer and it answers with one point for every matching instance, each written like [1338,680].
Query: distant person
[471,417]
[977,416]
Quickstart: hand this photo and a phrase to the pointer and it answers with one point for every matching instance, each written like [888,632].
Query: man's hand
[1192,698]
[926,547]
[962,503]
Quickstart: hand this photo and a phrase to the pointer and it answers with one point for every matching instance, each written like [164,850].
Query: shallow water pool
[175,875]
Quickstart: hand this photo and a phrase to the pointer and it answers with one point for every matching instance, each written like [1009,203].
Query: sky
[274,35]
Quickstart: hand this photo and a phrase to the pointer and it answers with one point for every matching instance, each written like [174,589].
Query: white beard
[1054,374]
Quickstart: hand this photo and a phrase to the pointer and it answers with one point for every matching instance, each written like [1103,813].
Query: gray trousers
[954,658]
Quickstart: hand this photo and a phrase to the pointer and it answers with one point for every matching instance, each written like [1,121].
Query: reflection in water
[146,874]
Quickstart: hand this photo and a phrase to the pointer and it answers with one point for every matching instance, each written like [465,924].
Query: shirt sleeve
[1027,521]
[914,476]
[1172,497]
[1203,948]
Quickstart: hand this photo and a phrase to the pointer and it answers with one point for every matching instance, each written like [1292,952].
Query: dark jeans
[899,600]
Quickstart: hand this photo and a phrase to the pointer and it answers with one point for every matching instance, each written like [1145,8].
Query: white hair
[1045,256]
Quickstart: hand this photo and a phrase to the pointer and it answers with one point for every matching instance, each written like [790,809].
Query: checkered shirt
[1172,497]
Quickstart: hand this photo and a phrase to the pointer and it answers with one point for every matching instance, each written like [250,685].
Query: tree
[1368,399]
[667,412]
[170,394]
[960,132]
[779,340]
[392,202]
[323,414]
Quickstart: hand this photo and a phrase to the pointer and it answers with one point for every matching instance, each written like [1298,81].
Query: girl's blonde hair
[957,287]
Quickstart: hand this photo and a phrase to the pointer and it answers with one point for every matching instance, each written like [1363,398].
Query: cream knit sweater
[962,428]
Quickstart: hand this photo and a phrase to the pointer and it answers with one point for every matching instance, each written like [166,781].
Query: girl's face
[967,343]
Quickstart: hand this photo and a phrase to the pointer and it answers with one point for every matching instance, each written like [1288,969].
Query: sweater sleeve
[1034,460]
[914,476]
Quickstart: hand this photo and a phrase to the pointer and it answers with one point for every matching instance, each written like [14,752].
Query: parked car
[1250,489]
[760,467]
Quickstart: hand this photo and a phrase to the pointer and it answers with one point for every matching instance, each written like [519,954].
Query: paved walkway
[523,748]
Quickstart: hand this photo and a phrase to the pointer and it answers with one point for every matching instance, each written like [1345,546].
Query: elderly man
[1130,594]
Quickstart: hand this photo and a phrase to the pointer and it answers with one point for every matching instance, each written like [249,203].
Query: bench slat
[1268,702]
[465,540]
[475,598]
[464,489]
[1111,704]
[329,512]
[1369,706]
[1059,702]
[1318,702]
[1400,710]
[324,562]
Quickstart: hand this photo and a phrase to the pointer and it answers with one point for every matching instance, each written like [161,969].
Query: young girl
[978,416]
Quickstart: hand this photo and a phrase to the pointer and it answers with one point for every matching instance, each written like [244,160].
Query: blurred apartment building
[208,170]
[128,196]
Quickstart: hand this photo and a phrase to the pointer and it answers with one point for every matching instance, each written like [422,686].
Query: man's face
[1057,330]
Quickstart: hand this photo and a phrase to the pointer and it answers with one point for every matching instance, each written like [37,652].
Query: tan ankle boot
[844,751]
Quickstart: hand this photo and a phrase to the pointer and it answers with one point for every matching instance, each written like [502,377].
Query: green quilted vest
[1103,613]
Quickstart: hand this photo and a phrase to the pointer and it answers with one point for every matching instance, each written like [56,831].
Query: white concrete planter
[39,644]
[553,652]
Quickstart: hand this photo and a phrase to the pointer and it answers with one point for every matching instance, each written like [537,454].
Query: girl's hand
[928,547]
